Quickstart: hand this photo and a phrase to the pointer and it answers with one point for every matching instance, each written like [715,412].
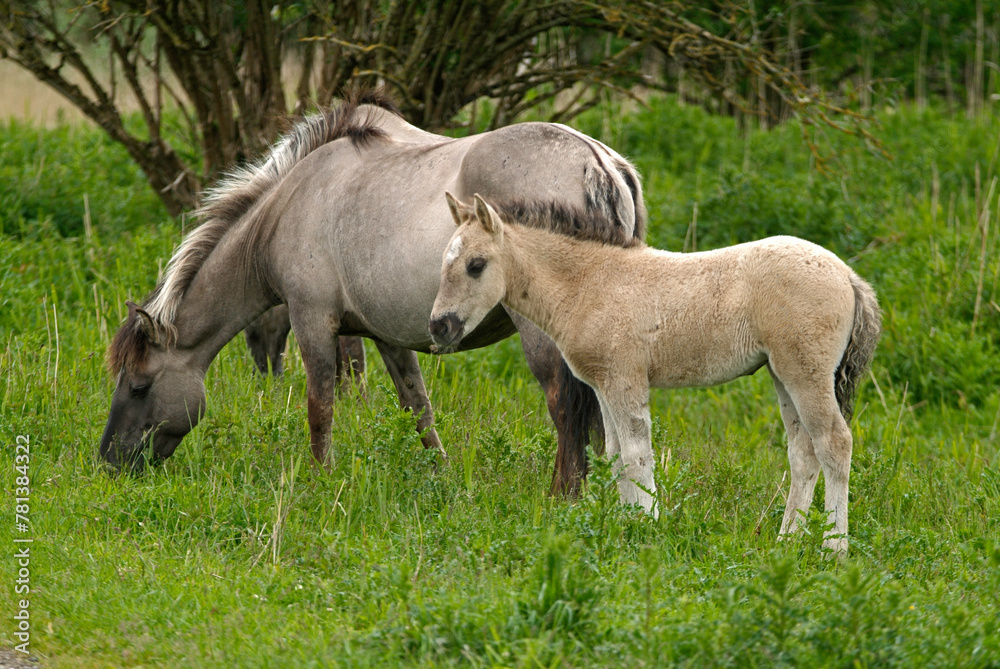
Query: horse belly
[705,358]
[382,220]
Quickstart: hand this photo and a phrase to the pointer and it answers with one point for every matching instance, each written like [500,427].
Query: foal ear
[487,215]
[146,323]
[456,207]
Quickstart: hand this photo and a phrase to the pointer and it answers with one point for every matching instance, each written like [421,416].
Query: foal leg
[405,372]
[832,443]
[612,449]
[834,449]
[628,411]
[801,459]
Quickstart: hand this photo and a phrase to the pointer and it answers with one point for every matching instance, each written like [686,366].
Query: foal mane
[567,220]
[231,201]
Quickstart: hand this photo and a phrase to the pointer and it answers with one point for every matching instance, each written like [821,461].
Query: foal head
[472,280]
[159,396]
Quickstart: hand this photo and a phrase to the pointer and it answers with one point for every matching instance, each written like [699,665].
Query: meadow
[236,552]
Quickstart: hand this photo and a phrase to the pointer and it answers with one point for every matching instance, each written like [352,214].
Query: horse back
[699,319]
[799,291]
[547,162]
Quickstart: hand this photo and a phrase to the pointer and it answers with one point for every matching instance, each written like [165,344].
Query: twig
[777,490]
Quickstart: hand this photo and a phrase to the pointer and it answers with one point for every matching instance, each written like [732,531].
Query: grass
[235,552]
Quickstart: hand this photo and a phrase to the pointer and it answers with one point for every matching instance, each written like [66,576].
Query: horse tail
[580,412]
[619,198]
[861,347]
[634,184]
[613,194]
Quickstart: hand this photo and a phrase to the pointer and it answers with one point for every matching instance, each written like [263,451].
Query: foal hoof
[837,547]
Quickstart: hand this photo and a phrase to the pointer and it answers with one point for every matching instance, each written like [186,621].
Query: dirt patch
[11,659]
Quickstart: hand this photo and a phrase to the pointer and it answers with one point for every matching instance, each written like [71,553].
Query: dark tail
[580,412]
[577,406]
[861,348]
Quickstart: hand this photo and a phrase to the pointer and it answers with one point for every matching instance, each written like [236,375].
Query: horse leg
[317,337]
[802,461]
[266,337]
[834,447]
[816,404]
[351,365]
[626,408]
[405,372]
[612,449]
[572,405]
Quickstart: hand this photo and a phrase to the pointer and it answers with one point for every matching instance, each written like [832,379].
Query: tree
[207,78]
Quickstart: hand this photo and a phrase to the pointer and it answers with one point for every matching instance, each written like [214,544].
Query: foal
[628,318]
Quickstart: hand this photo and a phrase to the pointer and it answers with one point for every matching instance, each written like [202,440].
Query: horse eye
[475,267]
[139,392]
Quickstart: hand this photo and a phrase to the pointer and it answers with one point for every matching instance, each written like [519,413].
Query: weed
[238,552]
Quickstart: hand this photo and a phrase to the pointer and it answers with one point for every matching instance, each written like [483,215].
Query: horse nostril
[446,329]
[439,328]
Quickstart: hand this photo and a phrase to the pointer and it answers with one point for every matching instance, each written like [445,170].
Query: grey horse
[344,221]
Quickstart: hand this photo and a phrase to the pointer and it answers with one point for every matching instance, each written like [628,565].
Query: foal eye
[139,392]
[475,267]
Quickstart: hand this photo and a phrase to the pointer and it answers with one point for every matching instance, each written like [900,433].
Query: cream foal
[626,319]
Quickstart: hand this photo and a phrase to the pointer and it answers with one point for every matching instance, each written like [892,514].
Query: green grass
[235,552]
[61,176]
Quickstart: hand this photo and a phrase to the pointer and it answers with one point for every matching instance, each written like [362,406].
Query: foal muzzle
[447,331]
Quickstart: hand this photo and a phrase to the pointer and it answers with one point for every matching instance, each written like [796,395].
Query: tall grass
[236,552]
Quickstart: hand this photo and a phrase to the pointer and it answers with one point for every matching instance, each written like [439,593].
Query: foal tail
[861,347]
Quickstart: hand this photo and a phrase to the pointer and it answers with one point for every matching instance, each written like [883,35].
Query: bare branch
[220,64]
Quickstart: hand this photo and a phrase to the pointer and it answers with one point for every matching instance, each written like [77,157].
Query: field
[235,552]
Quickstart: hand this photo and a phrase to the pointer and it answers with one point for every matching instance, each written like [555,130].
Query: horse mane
[231,200]
[570,221]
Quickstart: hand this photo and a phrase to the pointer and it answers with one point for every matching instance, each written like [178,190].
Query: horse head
[159,395]
[472,281]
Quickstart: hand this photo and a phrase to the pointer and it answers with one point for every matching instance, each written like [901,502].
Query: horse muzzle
[131,454]
[119,458]
[446,331]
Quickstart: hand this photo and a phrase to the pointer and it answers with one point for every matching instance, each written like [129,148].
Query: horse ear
[487,215]
[456,207]
[146,323]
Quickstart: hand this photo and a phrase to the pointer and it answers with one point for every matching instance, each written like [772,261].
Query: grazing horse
[628,318]
[266,338]
[344,222]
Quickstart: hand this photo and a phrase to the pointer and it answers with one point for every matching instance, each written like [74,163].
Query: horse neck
[547,274]
[222,300]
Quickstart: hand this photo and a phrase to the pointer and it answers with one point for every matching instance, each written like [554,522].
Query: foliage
[218,66]
[920,49]
[54,179]
[236,553]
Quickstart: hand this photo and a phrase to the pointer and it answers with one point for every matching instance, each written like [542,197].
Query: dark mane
[232,200]
[243,187]
[567,220]
[129,347]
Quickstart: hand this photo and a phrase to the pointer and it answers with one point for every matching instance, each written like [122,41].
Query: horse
[629,317]
[267,336]
[319,227]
